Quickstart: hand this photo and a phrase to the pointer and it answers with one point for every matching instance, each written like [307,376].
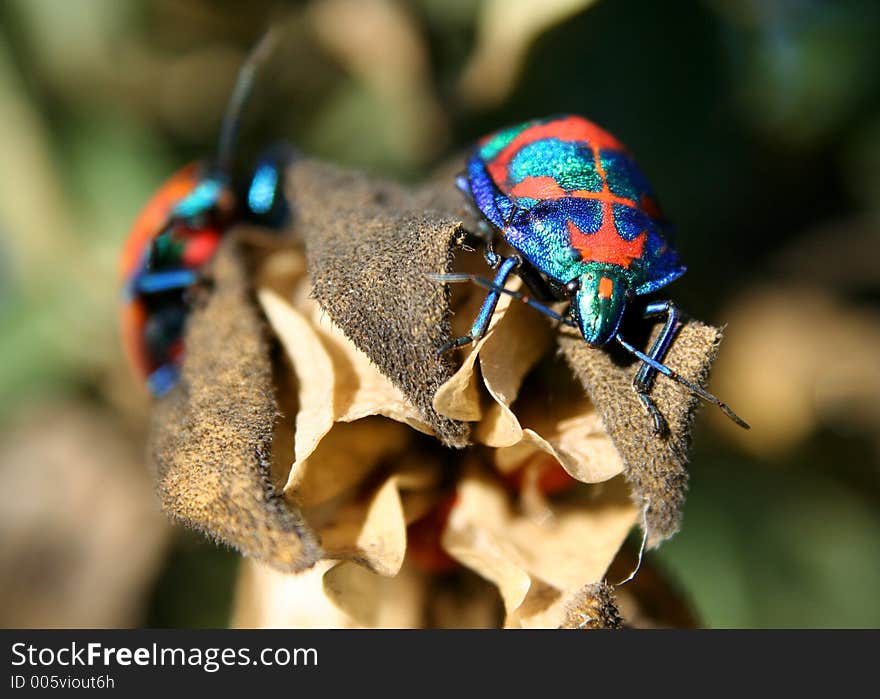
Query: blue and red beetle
[585,227]
[178,232]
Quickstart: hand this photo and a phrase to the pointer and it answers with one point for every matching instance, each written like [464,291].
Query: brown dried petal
[369,246]
[655,466]
[211,437]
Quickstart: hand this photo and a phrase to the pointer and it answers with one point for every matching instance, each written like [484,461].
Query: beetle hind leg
[643,381]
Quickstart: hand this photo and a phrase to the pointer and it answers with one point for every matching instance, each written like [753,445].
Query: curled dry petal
[536,565]
[568,430]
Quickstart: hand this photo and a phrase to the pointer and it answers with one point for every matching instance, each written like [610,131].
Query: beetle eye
[573,286]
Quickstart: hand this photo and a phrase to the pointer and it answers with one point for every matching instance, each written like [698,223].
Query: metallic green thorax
[599,302]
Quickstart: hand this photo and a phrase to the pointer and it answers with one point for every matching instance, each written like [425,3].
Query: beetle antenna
[244,84]
[692,387]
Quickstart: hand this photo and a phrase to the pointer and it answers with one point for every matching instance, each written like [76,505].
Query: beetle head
[599,298]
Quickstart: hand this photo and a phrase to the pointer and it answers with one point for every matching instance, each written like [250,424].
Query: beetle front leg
[478,329]
[644,378]
[484,231]
[493,259]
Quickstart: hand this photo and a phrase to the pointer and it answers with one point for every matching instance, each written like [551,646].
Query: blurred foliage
[195,588]
[758,122]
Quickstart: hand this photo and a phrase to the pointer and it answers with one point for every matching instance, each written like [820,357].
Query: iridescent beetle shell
[175,235]
[585,226]
[570,198]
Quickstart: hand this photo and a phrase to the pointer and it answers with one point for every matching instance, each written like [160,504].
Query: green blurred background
[758,122]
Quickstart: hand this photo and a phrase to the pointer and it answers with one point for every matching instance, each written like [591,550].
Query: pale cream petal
[579,445]
[266,599]
[474,537]
[505,359]
[459,398]
[345,457]
[536,563]
[377,601]
[372,532]
[314,371]
[336,384]
[568,429]
[516,338]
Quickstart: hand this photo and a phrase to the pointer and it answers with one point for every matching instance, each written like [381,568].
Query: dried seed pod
[359,382]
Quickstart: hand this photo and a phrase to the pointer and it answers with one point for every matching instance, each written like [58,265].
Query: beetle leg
[536,283]
[697,390]
[484,231]
[519,296]
[493,259]
[485,235]
[644,378]
[166,280]
[481,323]
[659,427]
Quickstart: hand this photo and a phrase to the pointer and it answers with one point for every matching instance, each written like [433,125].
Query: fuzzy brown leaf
[211,438]
[369,246]
[655,466]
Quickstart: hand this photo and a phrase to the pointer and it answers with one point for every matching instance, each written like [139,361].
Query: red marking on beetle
[200,247]
[606,245]
[545,188]
[606,288]
[573,129]
[154,215]
[541,187]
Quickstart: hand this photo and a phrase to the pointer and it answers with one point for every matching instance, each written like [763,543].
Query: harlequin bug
[585,227]
[178,232]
